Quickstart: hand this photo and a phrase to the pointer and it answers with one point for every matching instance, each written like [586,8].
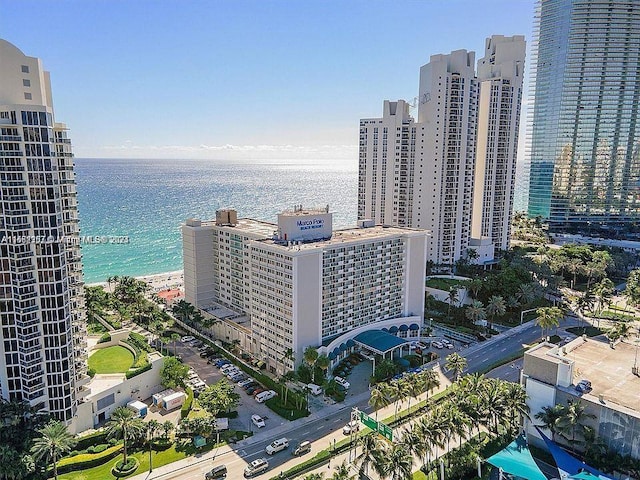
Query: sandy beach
[158,281]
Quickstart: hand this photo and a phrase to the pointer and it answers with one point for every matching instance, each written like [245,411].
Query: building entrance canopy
[379,341]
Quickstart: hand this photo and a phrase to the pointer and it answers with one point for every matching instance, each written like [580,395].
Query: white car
[277,446]
[352,426]
[257,421]
[187,338]
[342,382]
[245,382]
[437,344]
[199,384]
[257,466]
[228,367]
[449,345]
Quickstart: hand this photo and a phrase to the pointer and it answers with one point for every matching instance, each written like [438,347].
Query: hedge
[285,411]
[84,461]
[87,441]
[186,406]
[138,371]
[139,341]
[105,338]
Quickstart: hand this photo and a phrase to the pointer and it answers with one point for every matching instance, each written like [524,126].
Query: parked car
[187,338]
[257,391]
[199,385]
[257,421]
[246,381]
[314,389]
[352,426]
[584,386]
[239,377]
[228,366]
[448,344]
[277,446]
[216,473]
[304,447]
[251,390]
[437,345]
[264,396]
[257,466]
[342,382]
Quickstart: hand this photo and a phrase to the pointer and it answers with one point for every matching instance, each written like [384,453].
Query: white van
[314,389]
[264,396]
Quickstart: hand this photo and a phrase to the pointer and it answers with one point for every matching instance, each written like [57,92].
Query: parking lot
[210,374]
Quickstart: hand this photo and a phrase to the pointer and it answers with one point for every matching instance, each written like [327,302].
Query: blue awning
[343,347]
[332,356]
[379,341]
[336,351]
[516,460]
[350,343]
[414,327]
[403,328]
[393,329]
[385,329]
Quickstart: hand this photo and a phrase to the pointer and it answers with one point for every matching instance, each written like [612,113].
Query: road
[323,431]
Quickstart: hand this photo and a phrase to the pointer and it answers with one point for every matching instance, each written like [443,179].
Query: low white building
[300,282]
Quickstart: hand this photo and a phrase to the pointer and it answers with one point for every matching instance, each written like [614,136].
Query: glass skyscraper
[584,132]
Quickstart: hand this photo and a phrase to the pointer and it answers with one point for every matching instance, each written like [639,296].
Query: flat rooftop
[247,225]
[547,352]
[608,370]
[346,235]
[102,382]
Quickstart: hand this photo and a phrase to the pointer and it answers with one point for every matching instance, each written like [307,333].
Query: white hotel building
[452,171]
[42,323]
[300,282]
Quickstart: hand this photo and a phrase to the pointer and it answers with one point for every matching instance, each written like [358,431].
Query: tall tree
[572,421]
[310,356]
[124,424]
[372,450]
[476,312]
[379,397]
[54,441]
[496,307]
[173,373]
[548,317]
[397,463]
[456,363]
[549,416]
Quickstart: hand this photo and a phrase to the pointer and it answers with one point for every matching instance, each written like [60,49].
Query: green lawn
[114,359]
[444,283]
[103,472]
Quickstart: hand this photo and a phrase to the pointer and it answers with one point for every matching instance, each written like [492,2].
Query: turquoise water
[147,200]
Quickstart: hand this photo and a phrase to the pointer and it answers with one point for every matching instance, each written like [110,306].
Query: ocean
[145,201]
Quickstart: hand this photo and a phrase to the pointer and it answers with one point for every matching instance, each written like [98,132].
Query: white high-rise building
[43,330]
[300,282]
[448,111]
[457,161]
[500,75]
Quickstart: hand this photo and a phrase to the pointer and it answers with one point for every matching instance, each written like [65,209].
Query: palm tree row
[477,403]
[405,388]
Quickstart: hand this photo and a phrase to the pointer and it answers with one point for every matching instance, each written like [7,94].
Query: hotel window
[27,96]
[25,69]
[26,82]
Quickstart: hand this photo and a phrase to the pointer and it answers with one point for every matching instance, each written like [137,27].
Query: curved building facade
[584,137]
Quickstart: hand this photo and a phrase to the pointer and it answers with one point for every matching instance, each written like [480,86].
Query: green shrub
[287,411]
[186,406]
[141,360]
[121,469]
[87,441]
[105,338]
[84,461]
[139,341]
[233,414]
[138,371]
[91,372]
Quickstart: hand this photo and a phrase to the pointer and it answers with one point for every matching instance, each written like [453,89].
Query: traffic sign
[376,426]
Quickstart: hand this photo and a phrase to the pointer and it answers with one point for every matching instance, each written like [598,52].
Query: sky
[240,79]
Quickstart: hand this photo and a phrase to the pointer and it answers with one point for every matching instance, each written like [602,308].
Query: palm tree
[515,399]
[396,463]
[429,438]
[379,397]
[314,476]
[456,363]
[603,292]
[125,425]
[572,420]
[453,299]
[474,286]
[397,391]
[586,302]
[55,441]
[496,307]
[526,293]
[342,472]
[430,380]
[475,312]
[310,356]
[372,449]
[323,362]
[549,417]
[167,427]
[620,331]
[175,337]
[548,317]
[494,403]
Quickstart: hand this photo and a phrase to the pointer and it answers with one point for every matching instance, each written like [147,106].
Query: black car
[216,473]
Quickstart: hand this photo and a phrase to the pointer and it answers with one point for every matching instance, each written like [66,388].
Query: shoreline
[157,281]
